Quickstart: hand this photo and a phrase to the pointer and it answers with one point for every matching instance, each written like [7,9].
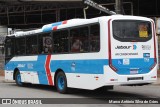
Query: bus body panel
[91,70]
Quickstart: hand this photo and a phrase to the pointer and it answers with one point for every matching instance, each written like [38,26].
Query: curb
[157,83]
[4,81]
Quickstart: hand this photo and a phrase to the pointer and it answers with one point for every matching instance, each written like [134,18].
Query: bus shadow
[37,87]
[88,93]
[106,94]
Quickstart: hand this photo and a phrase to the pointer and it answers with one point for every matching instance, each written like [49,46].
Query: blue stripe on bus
[41,69]
[141,65]
[79,66]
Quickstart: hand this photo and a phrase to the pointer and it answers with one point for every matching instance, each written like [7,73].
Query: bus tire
[18,78]
[61,83]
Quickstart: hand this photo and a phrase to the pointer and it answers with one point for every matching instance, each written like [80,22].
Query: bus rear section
[132,52]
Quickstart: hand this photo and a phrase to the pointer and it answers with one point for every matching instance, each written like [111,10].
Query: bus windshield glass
[132,30]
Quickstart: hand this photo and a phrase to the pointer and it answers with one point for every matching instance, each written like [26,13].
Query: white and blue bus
[84,53]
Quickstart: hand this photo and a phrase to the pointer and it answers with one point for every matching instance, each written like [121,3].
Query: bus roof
[57,25]
[66,24]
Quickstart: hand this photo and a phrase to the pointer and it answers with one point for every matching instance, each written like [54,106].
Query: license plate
[134,78]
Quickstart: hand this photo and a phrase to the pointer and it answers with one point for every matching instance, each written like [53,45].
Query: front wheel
[18,79]
[61,83]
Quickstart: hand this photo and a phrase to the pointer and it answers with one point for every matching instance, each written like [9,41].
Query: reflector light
[154,77]
[77,76]
[111,79]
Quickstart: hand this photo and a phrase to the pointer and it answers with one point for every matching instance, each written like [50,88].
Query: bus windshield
[132,30]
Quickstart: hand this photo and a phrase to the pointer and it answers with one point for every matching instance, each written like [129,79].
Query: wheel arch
[15,70]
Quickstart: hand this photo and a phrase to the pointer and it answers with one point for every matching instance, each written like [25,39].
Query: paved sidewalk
[158,82]
[2,80]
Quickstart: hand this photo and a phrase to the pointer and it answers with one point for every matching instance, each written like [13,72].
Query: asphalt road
[11,90]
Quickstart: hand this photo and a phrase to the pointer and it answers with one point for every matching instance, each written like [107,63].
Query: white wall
[158,26]
[3,32]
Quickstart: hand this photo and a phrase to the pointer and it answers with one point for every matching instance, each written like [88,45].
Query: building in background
[3,32]
[24,14]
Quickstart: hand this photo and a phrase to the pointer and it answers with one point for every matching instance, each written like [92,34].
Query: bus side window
[74,34]
[80,39]
[56,41]
[31,45]
[84,35]
[94,38]
[20,48]
[9,48]
[34,49]
[76,46]
[44,43]
[60,41]
[47,44]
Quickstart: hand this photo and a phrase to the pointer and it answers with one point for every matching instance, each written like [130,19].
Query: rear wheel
[18,79]
[61,83]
